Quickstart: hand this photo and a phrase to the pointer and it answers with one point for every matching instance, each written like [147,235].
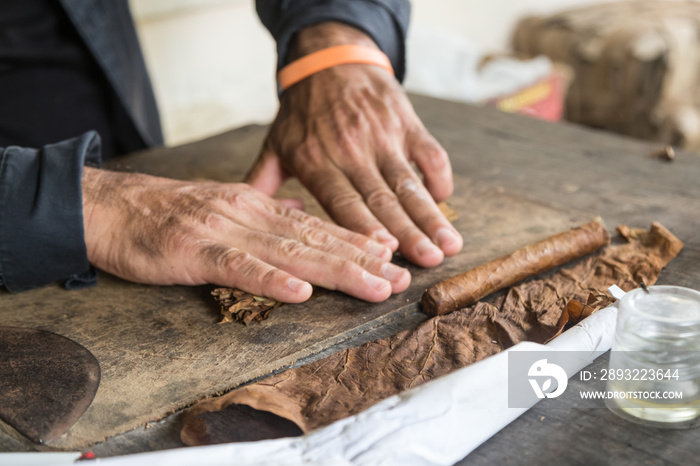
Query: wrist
[324,35]
[91,186]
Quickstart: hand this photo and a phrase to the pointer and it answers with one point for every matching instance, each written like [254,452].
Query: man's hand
[161,231]
[350,134]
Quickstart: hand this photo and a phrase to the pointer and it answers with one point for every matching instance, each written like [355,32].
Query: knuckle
[310,220]
[237,200]
[310,152]
[439,158]
[314,237]
[408,186]
[348,269]
[235,259]
[383,143]
[381,199]
[353,156]
[214,221]
[225,257]
[269,278]
[360,258]
[408,232]
[179,240]
[291,249]
[246,198]
[343,199]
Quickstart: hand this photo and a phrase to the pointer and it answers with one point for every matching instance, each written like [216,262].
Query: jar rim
[629,298]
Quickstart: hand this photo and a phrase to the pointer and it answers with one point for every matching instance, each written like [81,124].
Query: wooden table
[563,166]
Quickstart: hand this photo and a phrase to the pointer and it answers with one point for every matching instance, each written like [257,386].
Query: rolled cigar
[469,287]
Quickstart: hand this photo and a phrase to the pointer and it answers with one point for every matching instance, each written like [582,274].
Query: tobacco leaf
[447,210]
[351,381]
[239,306]
[575,311]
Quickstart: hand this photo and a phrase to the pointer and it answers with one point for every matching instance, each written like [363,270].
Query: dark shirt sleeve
[41,214]
[386,21]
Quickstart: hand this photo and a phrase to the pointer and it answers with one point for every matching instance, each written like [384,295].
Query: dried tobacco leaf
[630,234]
[449,213]
[351,381]
[239,306]
[575,311]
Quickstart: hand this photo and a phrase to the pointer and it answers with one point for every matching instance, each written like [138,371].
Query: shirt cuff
[385,21]
[41,214]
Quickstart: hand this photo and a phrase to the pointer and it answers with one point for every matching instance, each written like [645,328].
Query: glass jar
[654,372]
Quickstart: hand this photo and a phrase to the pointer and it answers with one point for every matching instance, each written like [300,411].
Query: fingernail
[445,237]
[377,249]
[425,247]
[392,272]
[375,282]
[295,285]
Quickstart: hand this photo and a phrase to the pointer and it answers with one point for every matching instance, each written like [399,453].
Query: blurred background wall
[212,62]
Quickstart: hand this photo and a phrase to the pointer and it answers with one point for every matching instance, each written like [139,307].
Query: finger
[421,207]
[433,162]
[315,266]
[310,232]
[384,203]
[315,238]
[266,214]
[362,242]
[225,265]
[345,205]
[267,173]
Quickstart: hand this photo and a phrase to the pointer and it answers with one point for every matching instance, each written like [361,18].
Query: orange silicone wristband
[332,56]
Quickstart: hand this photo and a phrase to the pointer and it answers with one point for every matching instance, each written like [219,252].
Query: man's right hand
[161,231]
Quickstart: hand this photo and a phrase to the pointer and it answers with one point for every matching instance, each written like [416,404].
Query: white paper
[38,459]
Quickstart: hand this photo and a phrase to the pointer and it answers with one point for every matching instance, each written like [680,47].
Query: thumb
[267,173]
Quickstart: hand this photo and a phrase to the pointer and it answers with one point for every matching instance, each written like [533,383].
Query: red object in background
[544,99]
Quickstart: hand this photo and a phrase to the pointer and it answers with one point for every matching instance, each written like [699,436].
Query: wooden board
[161,348]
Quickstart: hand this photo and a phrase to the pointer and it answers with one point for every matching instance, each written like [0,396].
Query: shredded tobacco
[239,306]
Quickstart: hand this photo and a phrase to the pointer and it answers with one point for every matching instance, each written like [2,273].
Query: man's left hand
[349,133]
